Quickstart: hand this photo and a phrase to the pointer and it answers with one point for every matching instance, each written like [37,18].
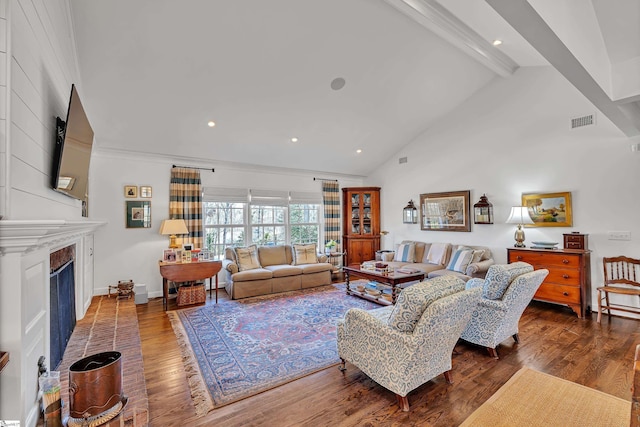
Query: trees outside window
[240,224]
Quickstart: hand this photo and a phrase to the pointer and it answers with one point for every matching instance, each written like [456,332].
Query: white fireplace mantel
[28,235]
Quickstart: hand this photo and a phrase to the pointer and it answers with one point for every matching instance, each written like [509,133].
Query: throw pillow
[248,258]
[477,255]
[415,299]
[460,260]
[305,254]
[405,252]
[437,253]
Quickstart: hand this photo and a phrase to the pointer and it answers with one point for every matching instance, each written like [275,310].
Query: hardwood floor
[552,340]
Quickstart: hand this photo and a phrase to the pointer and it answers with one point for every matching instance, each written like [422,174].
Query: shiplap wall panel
[43,66]
[27,151]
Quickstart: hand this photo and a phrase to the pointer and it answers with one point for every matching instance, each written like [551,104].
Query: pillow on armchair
[415,299]
[500,276]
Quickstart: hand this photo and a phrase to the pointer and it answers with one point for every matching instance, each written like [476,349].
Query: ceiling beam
[437,19]
[526,21]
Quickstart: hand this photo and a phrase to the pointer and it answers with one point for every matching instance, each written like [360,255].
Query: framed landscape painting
[549,209]
[447,211]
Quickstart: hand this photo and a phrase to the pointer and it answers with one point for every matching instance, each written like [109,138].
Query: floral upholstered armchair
[403,346]
[506,292]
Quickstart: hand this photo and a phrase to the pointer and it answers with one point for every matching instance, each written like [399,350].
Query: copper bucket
[95,384]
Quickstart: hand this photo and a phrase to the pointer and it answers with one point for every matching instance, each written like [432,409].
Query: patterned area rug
[251,345]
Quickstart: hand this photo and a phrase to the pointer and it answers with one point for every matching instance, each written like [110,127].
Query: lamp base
[172,243]
[519,237]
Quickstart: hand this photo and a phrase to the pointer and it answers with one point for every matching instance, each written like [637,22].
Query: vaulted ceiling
[338,75]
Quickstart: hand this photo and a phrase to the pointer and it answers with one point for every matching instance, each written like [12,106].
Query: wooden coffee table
[390,279]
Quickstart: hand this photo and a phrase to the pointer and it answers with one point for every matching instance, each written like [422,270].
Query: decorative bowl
[546,244]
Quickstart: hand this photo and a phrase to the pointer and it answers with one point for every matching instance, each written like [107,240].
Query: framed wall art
[448,211]
[549,209]
[145,191]
[138,214]
[130,191]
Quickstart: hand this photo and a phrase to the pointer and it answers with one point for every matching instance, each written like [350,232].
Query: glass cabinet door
[356,225]
[366,213]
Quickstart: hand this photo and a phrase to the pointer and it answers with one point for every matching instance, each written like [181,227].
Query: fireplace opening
[62,295]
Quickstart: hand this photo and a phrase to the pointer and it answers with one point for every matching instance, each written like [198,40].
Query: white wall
[514,137]
[133,253]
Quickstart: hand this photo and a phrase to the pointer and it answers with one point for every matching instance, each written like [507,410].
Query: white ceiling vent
[402,160]
[587,120]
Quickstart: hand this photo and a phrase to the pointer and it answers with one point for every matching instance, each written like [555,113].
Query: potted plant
[331,246]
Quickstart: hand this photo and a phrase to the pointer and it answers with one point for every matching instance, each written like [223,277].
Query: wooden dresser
[569,279]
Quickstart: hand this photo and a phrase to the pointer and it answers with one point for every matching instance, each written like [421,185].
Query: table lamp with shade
[519,215]
[173,227]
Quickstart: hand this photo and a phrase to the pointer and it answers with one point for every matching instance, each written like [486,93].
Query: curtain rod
[193,167]
[324,179]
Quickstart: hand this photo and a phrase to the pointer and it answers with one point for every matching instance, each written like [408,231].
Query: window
[268,225]
[224,225]
[304,223]
[269,218]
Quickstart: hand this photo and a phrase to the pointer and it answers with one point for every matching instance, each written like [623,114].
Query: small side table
[335,259]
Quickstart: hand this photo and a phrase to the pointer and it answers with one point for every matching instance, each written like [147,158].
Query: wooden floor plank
[553,340]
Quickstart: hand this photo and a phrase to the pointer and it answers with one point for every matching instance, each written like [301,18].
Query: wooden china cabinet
[360,223]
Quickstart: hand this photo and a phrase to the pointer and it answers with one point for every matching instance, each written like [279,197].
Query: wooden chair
[622,277]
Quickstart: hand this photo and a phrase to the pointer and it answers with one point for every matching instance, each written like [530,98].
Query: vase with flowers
[331,246]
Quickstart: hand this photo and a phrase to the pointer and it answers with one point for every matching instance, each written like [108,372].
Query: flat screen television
[72,154]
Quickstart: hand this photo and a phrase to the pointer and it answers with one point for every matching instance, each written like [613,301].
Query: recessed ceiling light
[294,139]
[211,123]
[358,151]
[496,42]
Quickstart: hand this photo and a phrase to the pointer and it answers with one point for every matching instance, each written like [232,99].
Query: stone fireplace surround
[25,248]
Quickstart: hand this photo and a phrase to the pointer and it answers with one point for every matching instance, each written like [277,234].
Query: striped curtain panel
[331,203]
[185,202]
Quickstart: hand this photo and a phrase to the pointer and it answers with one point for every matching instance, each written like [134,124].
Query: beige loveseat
[438,262]
[277,269]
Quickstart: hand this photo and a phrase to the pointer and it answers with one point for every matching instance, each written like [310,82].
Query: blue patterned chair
[403,346]
[506,292]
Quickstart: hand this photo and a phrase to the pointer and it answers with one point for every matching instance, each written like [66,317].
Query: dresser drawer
[543,259]
[562,276]
[558,293]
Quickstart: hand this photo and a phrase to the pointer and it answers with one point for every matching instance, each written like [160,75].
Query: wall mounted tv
[72,154]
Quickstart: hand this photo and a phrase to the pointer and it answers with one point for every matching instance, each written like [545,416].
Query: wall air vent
[402,160]
[587,120]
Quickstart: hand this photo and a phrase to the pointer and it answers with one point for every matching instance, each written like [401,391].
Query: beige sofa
[277,271]
[481,261]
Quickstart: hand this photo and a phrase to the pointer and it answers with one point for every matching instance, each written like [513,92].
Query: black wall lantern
[483,211]
[410,213]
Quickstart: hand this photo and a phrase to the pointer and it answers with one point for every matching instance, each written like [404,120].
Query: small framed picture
[187,246]
[186,256]
[169,255]
[130,191]
[138,214]
[145,191]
